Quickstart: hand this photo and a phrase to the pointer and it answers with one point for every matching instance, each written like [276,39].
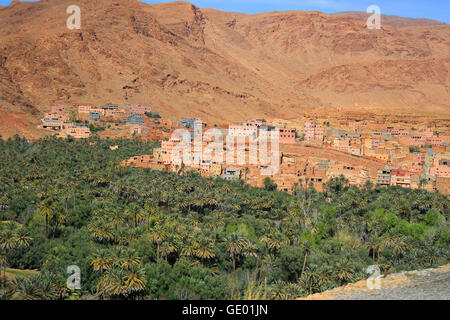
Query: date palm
[157,236]
[235,246]
[204,250]
[47,209]
[11,236]
[135,281]
[101,261]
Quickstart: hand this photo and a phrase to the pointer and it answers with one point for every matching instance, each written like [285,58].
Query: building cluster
[59,121]
[259,128]
[386,156]
[132,118]
[313,154]
[412,159]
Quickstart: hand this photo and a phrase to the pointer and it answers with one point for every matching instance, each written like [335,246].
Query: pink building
[84,109]
[243,130]
[400,178]
[418,158]
[355,149]
[415,168]
[53,120]
[416,140]
[287,135]
[441,168]
[433,140]
[138,109]
[399,132]
[313,131]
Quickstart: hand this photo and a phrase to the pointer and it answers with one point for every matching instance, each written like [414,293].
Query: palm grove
[142,234]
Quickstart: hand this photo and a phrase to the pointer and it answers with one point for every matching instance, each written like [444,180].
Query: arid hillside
[393,21]
[218,66]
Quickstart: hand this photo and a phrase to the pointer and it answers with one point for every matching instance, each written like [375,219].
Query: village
[311,150]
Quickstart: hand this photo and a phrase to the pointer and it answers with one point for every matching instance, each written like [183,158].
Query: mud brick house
[85,109]
[110,109]
[78,132]
[418,158]
[53,120]
[134,118]
[440,168]
[355,149]
[138,109]
[215,169]
[163,155]
[443,185]
[433,141]
[138,130]
[373,143]
[188,123]
[341,144]
[95,115]
[416,140]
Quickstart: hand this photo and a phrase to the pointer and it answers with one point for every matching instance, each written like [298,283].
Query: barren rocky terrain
[429,284]
[218,66]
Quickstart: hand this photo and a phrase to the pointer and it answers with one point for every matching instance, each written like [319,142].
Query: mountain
[393,21]
[215,65]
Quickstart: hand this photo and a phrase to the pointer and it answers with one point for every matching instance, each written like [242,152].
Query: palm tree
[24,289]
[399,247]
[166,248]
[235,246]
[11,237]
[307,246]
[47,209]
[135,280]
[189,248]
[157,236]
[344,271]
[101,261]
[203,249]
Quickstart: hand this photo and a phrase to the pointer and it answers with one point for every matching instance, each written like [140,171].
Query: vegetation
[414,149]
[95,129]
[153,115]
[137,233]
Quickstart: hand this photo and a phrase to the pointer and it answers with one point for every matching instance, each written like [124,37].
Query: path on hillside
[429,284]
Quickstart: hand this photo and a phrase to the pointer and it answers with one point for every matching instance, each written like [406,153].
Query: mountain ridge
[215,65]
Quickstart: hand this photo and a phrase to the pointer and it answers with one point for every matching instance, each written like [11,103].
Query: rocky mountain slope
[219,66]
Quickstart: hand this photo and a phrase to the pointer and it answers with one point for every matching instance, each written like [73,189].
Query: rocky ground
[429,284]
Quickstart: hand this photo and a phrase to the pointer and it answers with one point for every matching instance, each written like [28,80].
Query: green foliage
[138,233]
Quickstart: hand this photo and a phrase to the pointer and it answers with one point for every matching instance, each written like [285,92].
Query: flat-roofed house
[53,120]
[243,130]
[440,168]
[383,177]
[232,174]
[78,132]
[313,131]
[287,135]
[84,109]
[443,185]
[138,109]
